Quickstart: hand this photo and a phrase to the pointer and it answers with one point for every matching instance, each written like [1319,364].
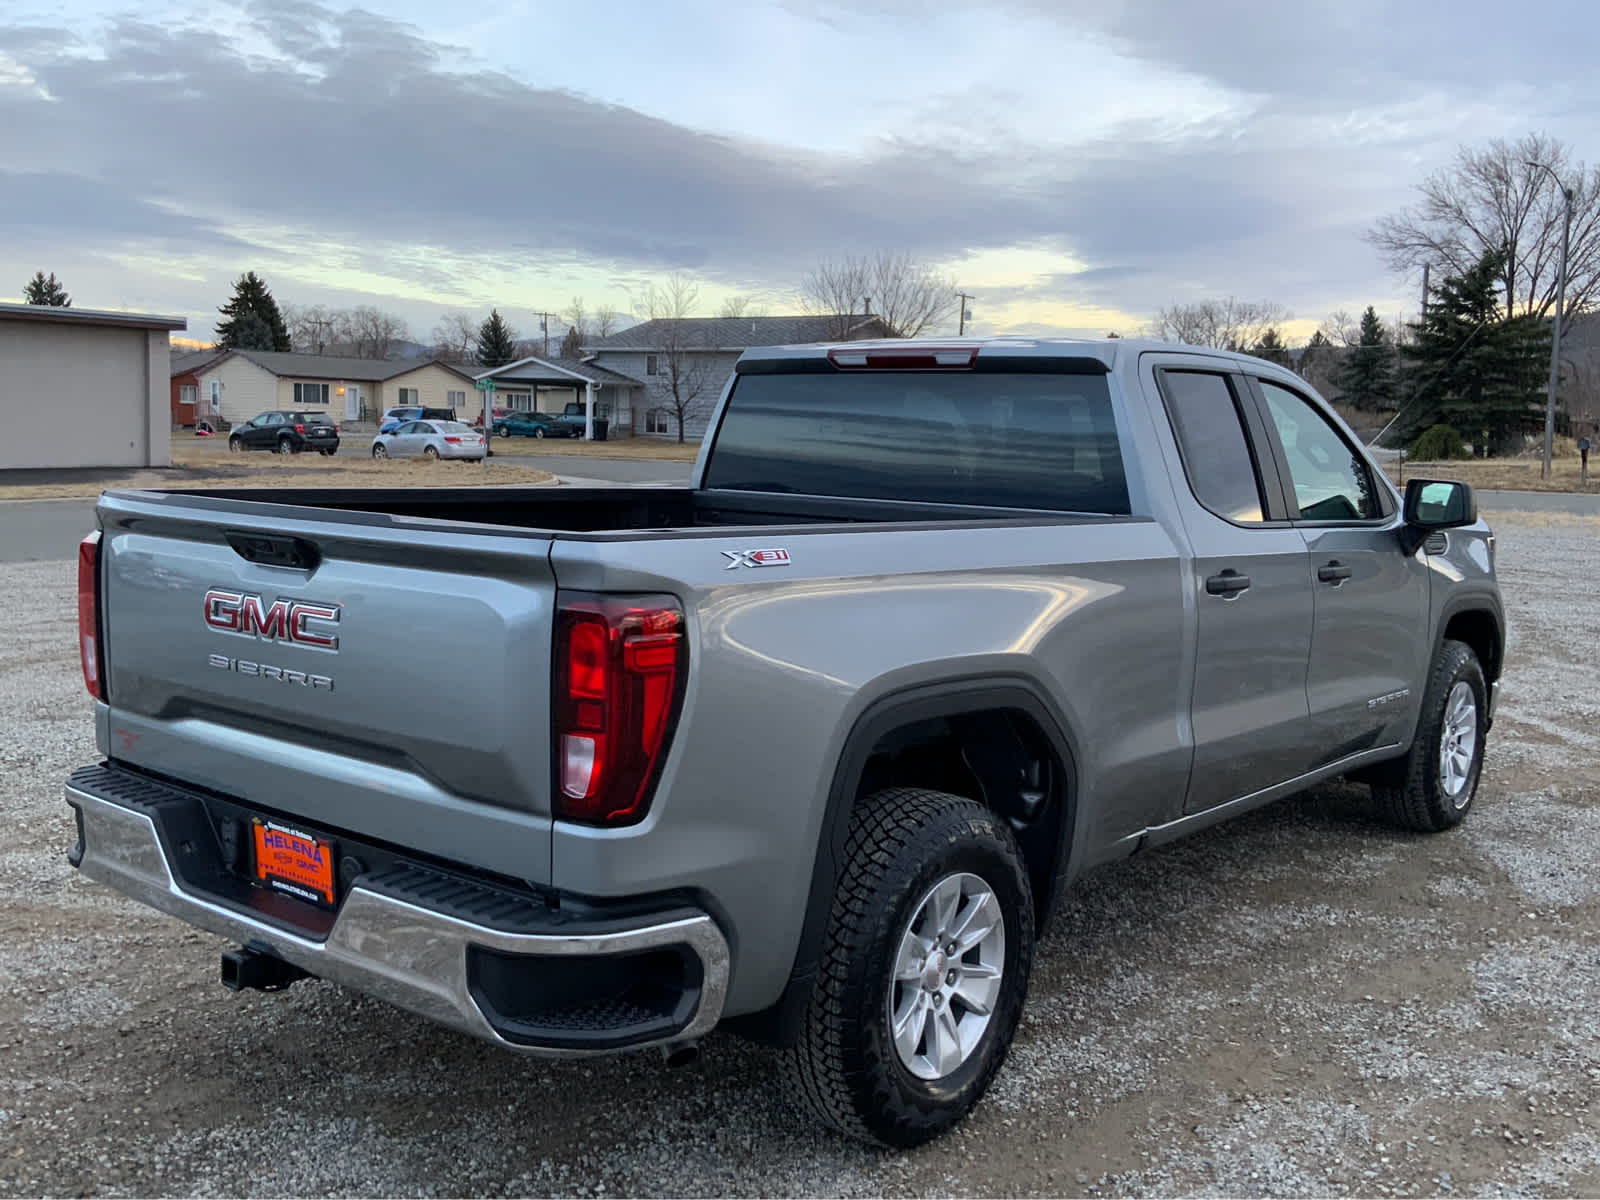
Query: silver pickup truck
[808,749]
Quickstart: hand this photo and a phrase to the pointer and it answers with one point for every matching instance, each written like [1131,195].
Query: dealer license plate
[293,862]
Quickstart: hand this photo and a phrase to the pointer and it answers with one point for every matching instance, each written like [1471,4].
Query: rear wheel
[538,433]
[286,445]
[1432,787]
[431,452]
[330,453]
[503,432]
[379,450]
[924,970]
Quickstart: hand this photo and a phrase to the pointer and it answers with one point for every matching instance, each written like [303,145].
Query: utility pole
[1555,341]
[544,328]
[962,328]
[1426,269]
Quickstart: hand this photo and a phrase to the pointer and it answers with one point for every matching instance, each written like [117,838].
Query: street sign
[486,385]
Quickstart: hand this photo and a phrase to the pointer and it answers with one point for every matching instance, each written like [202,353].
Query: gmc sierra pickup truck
[808,749]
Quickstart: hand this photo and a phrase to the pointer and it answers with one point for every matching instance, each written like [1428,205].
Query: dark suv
[287,433]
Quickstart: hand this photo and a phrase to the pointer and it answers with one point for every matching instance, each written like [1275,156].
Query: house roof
[327,366]
[739,333]
[184,364]
[89,316]
[537,369]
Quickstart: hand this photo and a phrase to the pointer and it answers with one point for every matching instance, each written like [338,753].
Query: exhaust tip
[681,1054]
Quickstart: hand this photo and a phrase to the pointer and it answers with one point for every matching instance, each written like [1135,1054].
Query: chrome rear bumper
[398,951]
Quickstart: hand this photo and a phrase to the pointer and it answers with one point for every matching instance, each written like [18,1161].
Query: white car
[431,439]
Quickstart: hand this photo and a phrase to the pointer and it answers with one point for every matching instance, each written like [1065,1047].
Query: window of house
[517,401]
[456,399]
[651,365]
[310,393]
[188,393]
[658,420]
[410,396]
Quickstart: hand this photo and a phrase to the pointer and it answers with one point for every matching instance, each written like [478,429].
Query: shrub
[1438,443]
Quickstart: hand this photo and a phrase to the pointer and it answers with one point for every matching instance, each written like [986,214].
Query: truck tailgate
[366,673]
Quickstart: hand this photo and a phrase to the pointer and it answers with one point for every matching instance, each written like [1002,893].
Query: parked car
[432,439]
[535,425]
[497,413]
[398,416]
[813,744]
[286,433]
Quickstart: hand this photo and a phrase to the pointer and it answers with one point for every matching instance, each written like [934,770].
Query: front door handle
[1227,584]
[1334,573]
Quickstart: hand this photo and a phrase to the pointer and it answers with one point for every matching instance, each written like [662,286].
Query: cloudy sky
[1074,163]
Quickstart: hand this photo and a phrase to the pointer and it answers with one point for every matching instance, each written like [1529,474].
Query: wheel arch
[958,700]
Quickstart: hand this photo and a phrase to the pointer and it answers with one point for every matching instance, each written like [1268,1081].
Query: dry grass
[1502,474]
[631,448]
[195,467]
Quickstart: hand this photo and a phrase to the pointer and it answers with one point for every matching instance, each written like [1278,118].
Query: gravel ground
[1301,1002]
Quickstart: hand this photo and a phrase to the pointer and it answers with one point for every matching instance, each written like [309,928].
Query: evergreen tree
[1316,351]
[46,292]
[497,344]
[1271,347]
[1367,378]
[572,344]
[252,320]
[1472,367]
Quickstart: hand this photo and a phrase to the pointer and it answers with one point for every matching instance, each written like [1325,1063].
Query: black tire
[286,446]
[328,453]
[379,450]
[844,1066]
[1410,792]
[236,444]
[538,433]
[503,431]
[431,452]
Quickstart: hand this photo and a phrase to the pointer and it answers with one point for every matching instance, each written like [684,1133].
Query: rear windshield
[970,437]
[310,418]
[453,427]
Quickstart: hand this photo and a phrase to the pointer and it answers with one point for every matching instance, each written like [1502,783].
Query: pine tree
[253,321]
[1271,347]
[1367,378]
[1316,350]
[47,292]
[1474,369]
[497,344]
[572,344]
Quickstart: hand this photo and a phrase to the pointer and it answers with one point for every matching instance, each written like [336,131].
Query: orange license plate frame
[293,862]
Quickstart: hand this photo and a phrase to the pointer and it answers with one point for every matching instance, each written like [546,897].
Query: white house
[241,383]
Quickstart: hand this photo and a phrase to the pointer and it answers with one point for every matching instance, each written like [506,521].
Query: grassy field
[1501,474]
[631,448]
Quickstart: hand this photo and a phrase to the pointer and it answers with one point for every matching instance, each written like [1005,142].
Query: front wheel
[236,445]
[1432,787]
[538,433]
[924,970]
[379,450]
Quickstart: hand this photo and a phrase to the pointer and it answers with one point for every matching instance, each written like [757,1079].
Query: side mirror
[1432,505]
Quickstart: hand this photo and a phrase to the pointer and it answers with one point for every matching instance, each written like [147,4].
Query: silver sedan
[431,439]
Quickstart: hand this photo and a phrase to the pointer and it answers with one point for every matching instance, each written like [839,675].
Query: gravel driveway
[1300,1002]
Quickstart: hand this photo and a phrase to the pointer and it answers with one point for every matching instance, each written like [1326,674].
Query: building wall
[247,390]
[81,395]
[713,371]
[434,384]
[184,415]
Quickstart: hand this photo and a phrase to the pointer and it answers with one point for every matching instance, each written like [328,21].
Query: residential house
[241,383]
[186,385]
[703,350]
[539,384]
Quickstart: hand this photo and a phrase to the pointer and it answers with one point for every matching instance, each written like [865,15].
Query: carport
[84,388]
[606,395]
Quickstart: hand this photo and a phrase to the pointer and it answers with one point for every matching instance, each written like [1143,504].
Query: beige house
[243,383]
[84,388]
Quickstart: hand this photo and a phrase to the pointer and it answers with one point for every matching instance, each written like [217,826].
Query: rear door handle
[1227,583]
[1334,573]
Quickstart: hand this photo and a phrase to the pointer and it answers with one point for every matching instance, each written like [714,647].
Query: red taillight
[905,358]
[300,429]
[454,441]
[89,648]
[620,666]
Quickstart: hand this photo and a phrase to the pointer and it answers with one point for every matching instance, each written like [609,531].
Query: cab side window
[1207,421]
[1331,482]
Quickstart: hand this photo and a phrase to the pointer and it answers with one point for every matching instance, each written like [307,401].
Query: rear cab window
[1207,417]
[990,438]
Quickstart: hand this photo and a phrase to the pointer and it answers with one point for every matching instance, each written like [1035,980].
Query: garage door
[74,396]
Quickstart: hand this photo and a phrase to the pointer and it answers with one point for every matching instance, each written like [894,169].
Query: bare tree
[912,299]
[683,374]
[312,328]
[576,316]
[454,337]
[741,305]
[371,332]
[1340,328]
[1491,199]
[1229,324]
[604,322]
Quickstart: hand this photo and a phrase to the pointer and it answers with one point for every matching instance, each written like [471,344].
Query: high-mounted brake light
[621,662]
[90,650]
[905,358]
